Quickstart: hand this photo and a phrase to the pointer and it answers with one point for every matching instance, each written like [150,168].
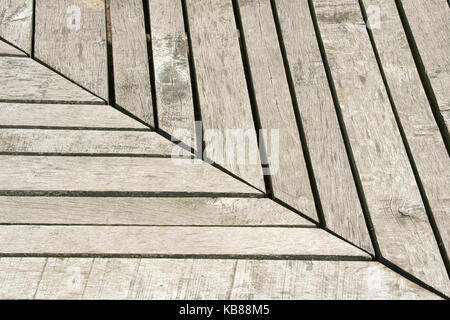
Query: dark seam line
[132,116]
[127,194]
[298,118]
[253,102]
[175,141]
[12,55]
[194,85]
[33,29]
[151,65]
[287,206]
[348,148]
[89,155]
[189,256]
[14,46]
[429,211]
[40,101]
[25,127]
[278,226]
[110,55]
[429,91]
[68,79]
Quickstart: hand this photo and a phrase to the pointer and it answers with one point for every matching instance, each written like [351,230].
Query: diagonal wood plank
[172,74]
[224,102]
[290,180]
[8,50]
[70,36]
[147,211]
[28,81]
[165,241]
[65,116]
[393,199]
[15,23]
[335,185]
[86,278]
[116,174]
[131,68]
[424,138]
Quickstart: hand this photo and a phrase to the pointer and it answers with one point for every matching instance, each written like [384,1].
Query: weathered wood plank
[88,142]
[224,101]
[429,22]
[8,50]
[26,80]
[70,36]
[198,279]
[162,241]
[109,174]
[130,57]
[172,74]
[15,22]
[339,199]
[422,133]
[276,112]
[393,199]
[65,116]
[147,211]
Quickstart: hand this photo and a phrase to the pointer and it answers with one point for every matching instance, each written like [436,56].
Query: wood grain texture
[70,36]
[339,199]
[88,142]
[165,241]
[429,22]
[109,174]
[15,22]
[131,67]
[65,116]
[394,202]
[224,101]
[147,211]
[289,176]
[8,50]
[172,74]
[198,279]
[26,80]
[422,133]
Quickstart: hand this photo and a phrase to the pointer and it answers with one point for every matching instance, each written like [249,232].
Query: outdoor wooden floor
[103,105]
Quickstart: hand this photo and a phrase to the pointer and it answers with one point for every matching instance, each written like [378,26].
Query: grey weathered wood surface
[429,22]
[8,50]
[88,142]
[422,133]
[131,67]
[172,74]
[224,100]
[15,22]
[165,240]
[290,179]
[147,211]
[65,116]
[395,205]
[26,80]
[103,174]
[70,36]
[337,191]
[89,278]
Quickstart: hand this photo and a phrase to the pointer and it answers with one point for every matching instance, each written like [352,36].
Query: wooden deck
[224,149]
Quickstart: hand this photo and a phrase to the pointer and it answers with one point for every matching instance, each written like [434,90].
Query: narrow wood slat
[70,36]
[87,278]
[109,174]
[337,191]
[15,22]
[8,50]
[422,133]
[88,142]
[28,81]
[429,22]
[147,211]
[130,57]
[290,177]
[224,100]
[393,199]
[172,74]
[162,241]
[65,116]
